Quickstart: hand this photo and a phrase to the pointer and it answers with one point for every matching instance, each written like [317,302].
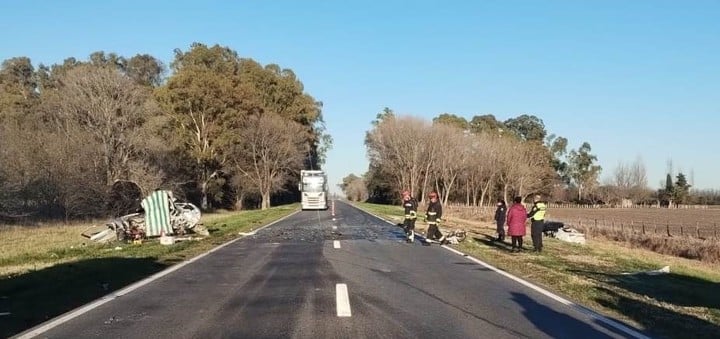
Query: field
[699,223]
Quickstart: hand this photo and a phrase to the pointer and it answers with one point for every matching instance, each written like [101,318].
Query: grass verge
[682,304]
[49,271]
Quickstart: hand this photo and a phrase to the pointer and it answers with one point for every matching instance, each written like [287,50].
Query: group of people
[515,219]
[433,217]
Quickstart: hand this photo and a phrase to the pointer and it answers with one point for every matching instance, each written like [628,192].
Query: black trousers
[501,229]
[408,225]
[433,231]
[536,228]
[517,241]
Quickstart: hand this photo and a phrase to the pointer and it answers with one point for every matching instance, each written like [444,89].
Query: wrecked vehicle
[161,215]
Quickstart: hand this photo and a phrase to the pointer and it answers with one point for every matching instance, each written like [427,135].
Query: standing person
[500,214]
[410,205]
[516,217]
[433,215]
[537,222]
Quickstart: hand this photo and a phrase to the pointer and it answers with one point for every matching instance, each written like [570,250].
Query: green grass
[48,280]
[682,304]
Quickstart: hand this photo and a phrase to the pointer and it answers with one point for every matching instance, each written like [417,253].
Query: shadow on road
[38,296]
[556,324]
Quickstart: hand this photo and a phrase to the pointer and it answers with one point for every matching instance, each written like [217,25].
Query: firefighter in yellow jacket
[410,205]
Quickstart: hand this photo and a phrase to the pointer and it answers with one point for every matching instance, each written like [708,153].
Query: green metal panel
[157,213]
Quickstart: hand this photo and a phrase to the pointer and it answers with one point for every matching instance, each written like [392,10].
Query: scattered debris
[664,270]
[562,232]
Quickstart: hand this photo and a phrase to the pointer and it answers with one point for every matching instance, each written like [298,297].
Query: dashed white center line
[343,301]
[334,228]
[336,243]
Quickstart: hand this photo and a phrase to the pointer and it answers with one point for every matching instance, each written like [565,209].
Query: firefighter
[537,222]
[434,215]
[410,205]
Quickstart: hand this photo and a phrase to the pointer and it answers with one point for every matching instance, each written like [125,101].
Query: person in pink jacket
[516,224]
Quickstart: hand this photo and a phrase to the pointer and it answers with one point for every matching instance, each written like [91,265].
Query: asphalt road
[289,279]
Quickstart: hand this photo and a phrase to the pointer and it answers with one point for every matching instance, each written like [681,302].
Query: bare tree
[453,157]
[270,149]
[107,105]
[398,143]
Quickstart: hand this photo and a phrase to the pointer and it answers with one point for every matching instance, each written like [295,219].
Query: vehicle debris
[162,215]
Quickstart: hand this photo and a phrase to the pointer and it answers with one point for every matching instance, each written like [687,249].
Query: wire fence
[673,222]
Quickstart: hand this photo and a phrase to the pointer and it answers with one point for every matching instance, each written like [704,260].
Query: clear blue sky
[629,77]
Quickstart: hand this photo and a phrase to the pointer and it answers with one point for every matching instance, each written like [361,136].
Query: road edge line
[69,315]
[582,309]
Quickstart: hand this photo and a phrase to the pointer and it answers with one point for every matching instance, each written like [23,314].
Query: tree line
[482,159]
[85,138]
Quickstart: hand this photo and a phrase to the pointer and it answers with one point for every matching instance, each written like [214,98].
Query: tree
[558,149]
[486,124]
[354,188]
[279,91]
[452,120]
[269,152]
[204,106]
[450,148]
[527,127]
[105,104]
[18,85]
[630,180]
[583,169]
[144,69]
[681,189]
[399,146]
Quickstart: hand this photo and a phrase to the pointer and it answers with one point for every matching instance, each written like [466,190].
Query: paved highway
[313,275]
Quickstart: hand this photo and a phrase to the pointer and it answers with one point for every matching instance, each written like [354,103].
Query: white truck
[313,189]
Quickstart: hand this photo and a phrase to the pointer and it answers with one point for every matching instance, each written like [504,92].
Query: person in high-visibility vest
[410,205]
[537,222]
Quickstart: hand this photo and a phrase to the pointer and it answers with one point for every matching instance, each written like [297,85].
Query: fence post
[682,233]
[632,226]
[667,228]
[643,227]
[697,228]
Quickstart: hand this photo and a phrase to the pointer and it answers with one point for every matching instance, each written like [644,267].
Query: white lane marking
[342,300]
[580,308]
[46,326]
[334,228]
[336,243]
[4,313]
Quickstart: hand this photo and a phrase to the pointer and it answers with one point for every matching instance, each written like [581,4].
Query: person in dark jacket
[410,205]
[500,214]
[537,222]
[434,215]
